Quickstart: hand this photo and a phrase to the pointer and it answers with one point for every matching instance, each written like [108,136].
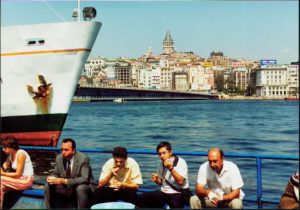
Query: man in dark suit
[70,179]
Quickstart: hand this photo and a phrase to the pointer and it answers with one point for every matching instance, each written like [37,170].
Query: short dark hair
[221,152]
[10,142]
[72,142]
[120,152]
[164,144]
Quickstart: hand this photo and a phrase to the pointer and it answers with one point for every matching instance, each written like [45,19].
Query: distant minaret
[168,44]
[149,52]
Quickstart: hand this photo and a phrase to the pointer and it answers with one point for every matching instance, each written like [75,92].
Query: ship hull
[35,130]
[40,68]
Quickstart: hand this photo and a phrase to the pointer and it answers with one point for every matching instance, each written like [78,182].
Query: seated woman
[22,176]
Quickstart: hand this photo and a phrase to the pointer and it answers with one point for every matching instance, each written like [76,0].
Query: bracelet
[171,168]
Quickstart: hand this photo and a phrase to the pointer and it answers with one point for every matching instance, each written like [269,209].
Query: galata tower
[168,44]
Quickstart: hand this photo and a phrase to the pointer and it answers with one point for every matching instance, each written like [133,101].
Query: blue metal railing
[259,199]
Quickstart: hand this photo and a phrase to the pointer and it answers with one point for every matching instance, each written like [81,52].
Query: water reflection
[43,163]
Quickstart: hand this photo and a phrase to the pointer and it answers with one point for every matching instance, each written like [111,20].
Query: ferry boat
[119,100]
[40,68]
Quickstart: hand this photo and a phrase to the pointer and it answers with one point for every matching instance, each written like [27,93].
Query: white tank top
[28,168]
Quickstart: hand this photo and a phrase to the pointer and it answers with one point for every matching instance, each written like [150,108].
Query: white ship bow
[40,67]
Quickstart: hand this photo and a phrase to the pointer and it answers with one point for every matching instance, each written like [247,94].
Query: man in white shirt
[172,176]
[219,183]
[119,179]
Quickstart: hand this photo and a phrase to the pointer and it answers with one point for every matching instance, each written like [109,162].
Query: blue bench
[34,192]
[37,196]
[39,193]
[34,198]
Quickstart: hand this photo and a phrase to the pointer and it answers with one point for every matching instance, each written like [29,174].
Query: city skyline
[240,29]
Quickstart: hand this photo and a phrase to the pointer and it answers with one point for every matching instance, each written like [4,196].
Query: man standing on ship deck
[219,183]
[70,179]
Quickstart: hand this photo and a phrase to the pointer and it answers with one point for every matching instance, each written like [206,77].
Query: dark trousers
[158,199]
[59,196]
[108,194]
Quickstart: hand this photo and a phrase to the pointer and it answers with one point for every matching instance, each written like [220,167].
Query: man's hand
[219,195]
[155,178]
[115,170]
[168,163]
[49,179]
[118,185]
[54,180]
[215,197]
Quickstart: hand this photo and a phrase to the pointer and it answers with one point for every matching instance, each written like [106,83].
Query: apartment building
[123,73]
[271,81]
[240,78]
[293,80]
[166,79]
[180,81]
[93,66]
[148,78]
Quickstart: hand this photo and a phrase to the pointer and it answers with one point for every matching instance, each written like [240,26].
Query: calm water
[260,127]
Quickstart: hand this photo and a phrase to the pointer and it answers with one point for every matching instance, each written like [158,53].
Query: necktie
[68,169]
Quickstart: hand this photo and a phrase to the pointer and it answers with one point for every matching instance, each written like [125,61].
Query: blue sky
[241,29]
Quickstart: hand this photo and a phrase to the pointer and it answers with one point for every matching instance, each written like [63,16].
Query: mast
[78,10]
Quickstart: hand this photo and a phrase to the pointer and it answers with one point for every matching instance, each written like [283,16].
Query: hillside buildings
[187,71]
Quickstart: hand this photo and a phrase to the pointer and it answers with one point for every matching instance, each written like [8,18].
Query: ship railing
[258,157]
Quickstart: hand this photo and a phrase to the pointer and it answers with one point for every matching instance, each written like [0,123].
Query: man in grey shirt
[70,179]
